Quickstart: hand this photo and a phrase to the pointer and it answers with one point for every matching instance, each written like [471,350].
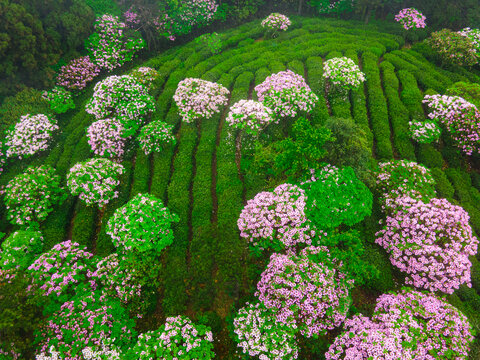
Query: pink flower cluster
[105,138]
[431,243]
[153,136]
[411,18]
[250,115]
[30,135]
[145,76]
[315,295]
[286,93]
[197,98]
[474,35]
[276,219]
[344,72]
[131,18]
[77,73]
[3,156]
[459,117]
[276,21]
[424,132]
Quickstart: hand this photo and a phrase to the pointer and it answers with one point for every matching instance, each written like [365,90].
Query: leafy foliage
[60,99]
[453,48]
[20,248]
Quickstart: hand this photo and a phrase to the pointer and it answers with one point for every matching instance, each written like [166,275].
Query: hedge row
[314,66]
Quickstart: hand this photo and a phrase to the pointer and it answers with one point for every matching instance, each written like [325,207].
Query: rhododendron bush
[197,98]
[31,196]
[155,135]
[424,132]
[431,243]
[276,22]
[315,295]
[286,93]
[142,224]
[250,115]
[106,351]
[83,322]
[454,48]
[105,137]
[258,333]
[411,18]
[109,47]
[122,98]
[60,100]
[276,220]
[343,72]
[95,180]
[460,118]
[77,73]
[20,249]
[145,76]
[474,36]
[30,135]
[336,196]
[178,338]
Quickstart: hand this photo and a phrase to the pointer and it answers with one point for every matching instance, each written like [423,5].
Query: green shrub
[429,156]
[442,185]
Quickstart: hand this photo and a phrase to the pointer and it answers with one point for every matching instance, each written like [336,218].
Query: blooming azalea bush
[105,138]
[460,118]
[258,333]
[20,249]
[276,220]
[142,224]
[197,98]
[60,100]
[315,295]
[30,135]
[85,321]
[276,22]
[106,351]
[31,196]
[250,115]
[336,196]
[402,178]
[424,132]
[108,46]
[154,135]
[145,76]
[474,36]
[286,93]
[431,243]
[95,180]
[454,48]
[411,18]
[122,98]
[77,73]
[178,338]
[343,72]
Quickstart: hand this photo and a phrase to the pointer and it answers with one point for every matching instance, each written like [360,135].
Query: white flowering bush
[474,36]
[123,98]
[31,196]
[250,115]
[197,98]
[178,339]
[276,22]
[286,93]
[154,135]
[343,72]
[30,135]
[142,224]
[424,132]
[145,76]
[95,180]
[258,333]
[105,138]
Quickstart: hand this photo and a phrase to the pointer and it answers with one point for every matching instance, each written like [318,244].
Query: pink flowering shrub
[31,196]
[30,135]
[431,243]
[20,249]
[276,22]
[83,322]
[105,138]
[106,351]
[77,73]
[454,47]
[95,180]
[108,46]
[286,93]
[411,18]
[145,76]
[402,178]
[62,271]
[258,333]
[315,295]
[132,19]
[60,100]
[474,36]
[178,338]
[142,224]
[122,98]
[276,220]
[3,156]
[154,135]
[197,98]
[343,72]
[424,132]
[250,115]
[460,118]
